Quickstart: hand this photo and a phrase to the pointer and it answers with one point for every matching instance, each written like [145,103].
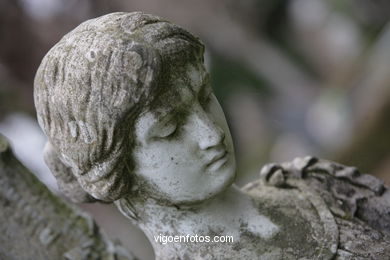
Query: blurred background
[295,77]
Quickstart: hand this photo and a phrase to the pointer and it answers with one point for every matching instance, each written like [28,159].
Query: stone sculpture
[131,118]
[37,224]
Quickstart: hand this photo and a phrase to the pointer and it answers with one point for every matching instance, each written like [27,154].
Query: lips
[217,161]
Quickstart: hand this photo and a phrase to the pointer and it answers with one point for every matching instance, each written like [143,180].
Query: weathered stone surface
[359,203]
[35,224]
[130,115]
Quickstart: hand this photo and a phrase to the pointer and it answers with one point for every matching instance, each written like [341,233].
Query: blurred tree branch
[370,143]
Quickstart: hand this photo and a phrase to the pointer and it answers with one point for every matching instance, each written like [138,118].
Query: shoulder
[358,203]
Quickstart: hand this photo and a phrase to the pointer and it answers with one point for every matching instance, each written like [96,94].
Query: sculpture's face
[184,152]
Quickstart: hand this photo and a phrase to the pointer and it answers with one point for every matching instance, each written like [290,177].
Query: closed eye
[167,130]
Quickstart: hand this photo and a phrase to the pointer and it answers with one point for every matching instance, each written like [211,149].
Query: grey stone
[130,116]
[36,224]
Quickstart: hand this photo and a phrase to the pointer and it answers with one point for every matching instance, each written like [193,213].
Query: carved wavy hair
[92,85]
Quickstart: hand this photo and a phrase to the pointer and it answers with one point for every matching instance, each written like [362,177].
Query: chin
[221,179]
[203,195]
[228,174]
[225,179]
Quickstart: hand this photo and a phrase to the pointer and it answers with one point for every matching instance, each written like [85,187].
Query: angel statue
[130,116]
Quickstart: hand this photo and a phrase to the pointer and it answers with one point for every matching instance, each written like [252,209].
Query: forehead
[183,87]
[190,80]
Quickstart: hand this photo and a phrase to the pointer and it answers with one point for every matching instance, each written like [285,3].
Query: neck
[223,215]
[142,210]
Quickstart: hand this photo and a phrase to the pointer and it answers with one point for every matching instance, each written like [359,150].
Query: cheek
[161,158]
[150,159]
[170,168]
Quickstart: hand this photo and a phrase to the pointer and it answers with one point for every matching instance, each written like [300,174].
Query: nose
[208,133]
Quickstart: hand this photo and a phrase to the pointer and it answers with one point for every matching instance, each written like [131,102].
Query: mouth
[217,161]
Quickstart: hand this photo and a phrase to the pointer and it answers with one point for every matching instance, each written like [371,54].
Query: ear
[66,181]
